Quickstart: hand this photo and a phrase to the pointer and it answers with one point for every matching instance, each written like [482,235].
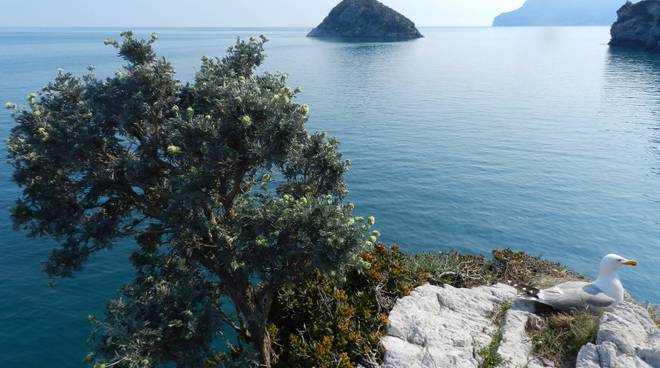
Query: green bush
[337,321]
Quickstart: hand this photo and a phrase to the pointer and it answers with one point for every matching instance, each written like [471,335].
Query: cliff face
[638,26]
[366,19]
[443,326]
[561,13]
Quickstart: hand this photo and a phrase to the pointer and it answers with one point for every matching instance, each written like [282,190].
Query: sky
[231,13]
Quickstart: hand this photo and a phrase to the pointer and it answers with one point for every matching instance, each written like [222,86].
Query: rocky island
[365,20]
[637,26]
[561,13]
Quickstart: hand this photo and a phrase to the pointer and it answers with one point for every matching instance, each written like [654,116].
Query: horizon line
[279,27]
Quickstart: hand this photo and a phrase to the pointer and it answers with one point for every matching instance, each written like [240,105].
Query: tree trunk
[259,329]
[255,309]
[262,343]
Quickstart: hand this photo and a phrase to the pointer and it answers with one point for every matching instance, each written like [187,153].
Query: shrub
[337,321]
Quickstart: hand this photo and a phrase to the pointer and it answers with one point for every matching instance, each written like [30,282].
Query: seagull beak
[630,262]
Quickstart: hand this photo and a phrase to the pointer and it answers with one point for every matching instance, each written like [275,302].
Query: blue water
[542,140]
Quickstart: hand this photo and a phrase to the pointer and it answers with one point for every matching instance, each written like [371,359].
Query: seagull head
[612,262]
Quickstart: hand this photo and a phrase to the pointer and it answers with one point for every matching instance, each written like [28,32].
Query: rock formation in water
[444,326]
[365,20]
[561,13]
[638,26]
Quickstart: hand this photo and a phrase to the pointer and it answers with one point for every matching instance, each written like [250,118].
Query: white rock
[437,327]
[538,363]
[588,357]
[627,337]
[516,347]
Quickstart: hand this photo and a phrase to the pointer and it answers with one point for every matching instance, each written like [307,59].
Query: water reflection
[633,68]
[632,83]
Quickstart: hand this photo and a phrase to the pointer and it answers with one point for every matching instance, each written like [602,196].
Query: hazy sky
[231,13]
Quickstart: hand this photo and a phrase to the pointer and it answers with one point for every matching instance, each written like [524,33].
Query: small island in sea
[365,20]
[637,26]
[561,13]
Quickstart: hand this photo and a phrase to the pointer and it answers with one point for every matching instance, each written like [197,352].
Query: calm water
[542,140]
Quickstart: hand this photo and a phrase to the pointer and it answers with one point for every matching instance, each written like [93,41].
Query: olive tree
[227,196]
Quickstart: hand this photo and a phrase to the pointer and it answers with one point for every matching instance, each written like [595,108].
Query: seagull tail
[529,295]
[526,291]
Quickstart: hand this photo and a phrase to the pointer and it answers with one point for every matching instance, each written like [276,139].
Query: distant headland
[561,13]
[365,20]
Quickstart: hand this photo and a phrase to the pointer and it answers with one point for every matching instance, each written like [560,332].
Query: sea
[543,140]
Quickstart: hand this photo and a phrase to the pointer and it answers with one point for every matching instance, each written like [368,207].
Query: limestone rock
[438,327]
[627,337]
[637,26]
[365,20]
[516,347]
[443,327]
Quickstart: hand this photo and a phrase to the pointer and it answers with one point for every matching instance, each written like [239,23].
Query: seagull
[606,291]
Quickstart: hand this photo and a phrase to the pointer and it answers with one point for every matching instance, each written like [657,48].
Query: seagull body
[605,292]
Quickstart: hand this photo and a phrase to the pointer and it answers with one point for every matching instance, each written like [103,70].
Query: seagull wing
[575,295]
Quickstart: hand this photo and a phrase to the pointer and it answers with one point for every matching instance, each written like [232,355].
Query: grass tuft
[654,316]
[451,268]
[521,268]
[559,337]
[490,356]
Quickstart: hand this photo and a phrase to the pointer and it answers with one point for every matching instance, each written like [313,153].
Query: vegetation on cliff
[330,321]
[559,337]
